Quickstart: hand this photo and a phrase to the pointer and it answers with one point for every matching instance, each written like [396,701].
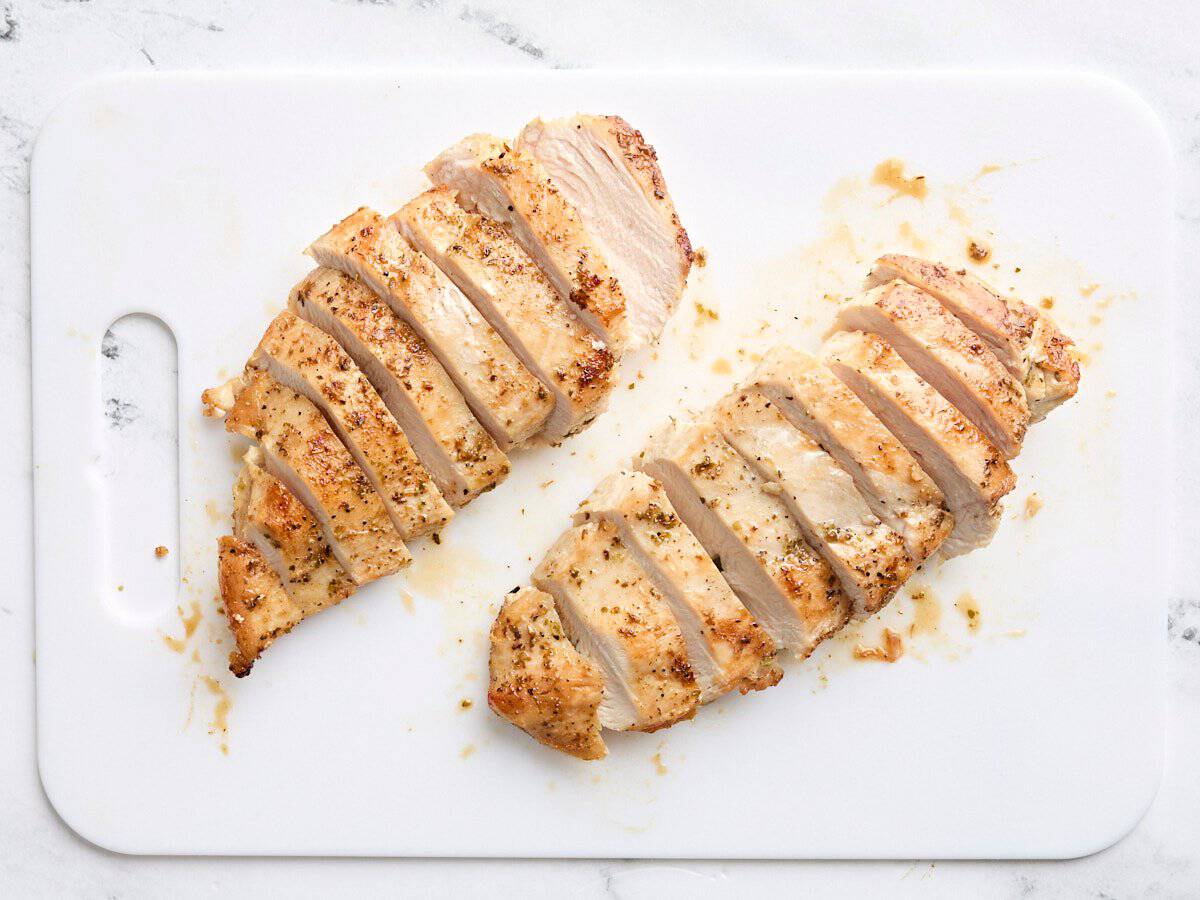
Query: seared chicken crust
[511,187]
[269,516]
[971,473]
[504,396]
[256,606]
[608,172]
[813,400]
[307,360]
[727,649]
[616,618]
[304,453]
[948,355]
[514,295]
[539,682]
[1025,340]
[763,556]
[461,457]
[868,557]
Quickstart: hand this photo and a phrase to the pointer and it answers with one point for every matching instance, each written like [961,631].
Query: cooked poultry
[511,187]
[504,396]
[761,551]
[608,172]
[962,462]
[1024,340]
[539,682]
[515,296]
[277,568]
[303,452]
[480,317]
[622,624]
[947,354]
[813,400]
[256,606]
[868,557]
[300,356]
[853,455]
[269,516]
[459,454]
[727,647]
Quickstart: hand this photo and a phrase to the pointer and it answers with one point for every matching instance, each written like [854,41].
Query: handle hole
[139,466]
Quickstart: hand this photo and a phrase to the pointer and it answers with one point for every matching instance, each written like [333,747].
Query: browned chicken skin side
[869,558]
[787,587]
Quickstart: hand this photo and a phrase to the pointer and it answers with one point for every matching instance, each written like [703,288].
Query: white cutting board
[190,197]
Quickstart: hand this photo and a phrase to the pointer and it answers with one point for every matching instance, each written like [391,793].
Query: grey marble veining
[46,47]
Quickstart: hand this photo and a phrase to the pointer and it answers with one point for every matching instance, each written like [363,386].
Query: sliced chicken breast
[615,617]
[256,605]
[608,172]
[459,454]
[268,515]
[514,295]
[726,647]
[947,354]
[1027,342]
[505,397]
[963,463]
[304,358]
[790,590]
[812,399]
[303,452]
[539,682]
[1054,372]
[869,558]
[511,187]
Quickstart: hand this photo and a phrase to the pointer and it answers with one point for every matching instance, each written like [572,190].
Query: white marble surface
[46,47]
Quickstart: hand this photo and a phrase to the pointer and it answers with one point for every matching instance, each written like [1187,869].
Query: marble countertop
[47,47]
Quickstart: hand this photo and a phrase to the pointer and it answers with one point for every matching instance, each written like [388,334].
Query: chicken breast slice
[608,172]
[869,558]
[511,187]
[728,650]
[814,400]
[302,451]
[459,454]
[304,358]
[269,516]
[510,403]
[256,605]
[947,354]
[539,682]
[971,473]
[616,618]
[1027,342]
[760,550]
[514,295]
